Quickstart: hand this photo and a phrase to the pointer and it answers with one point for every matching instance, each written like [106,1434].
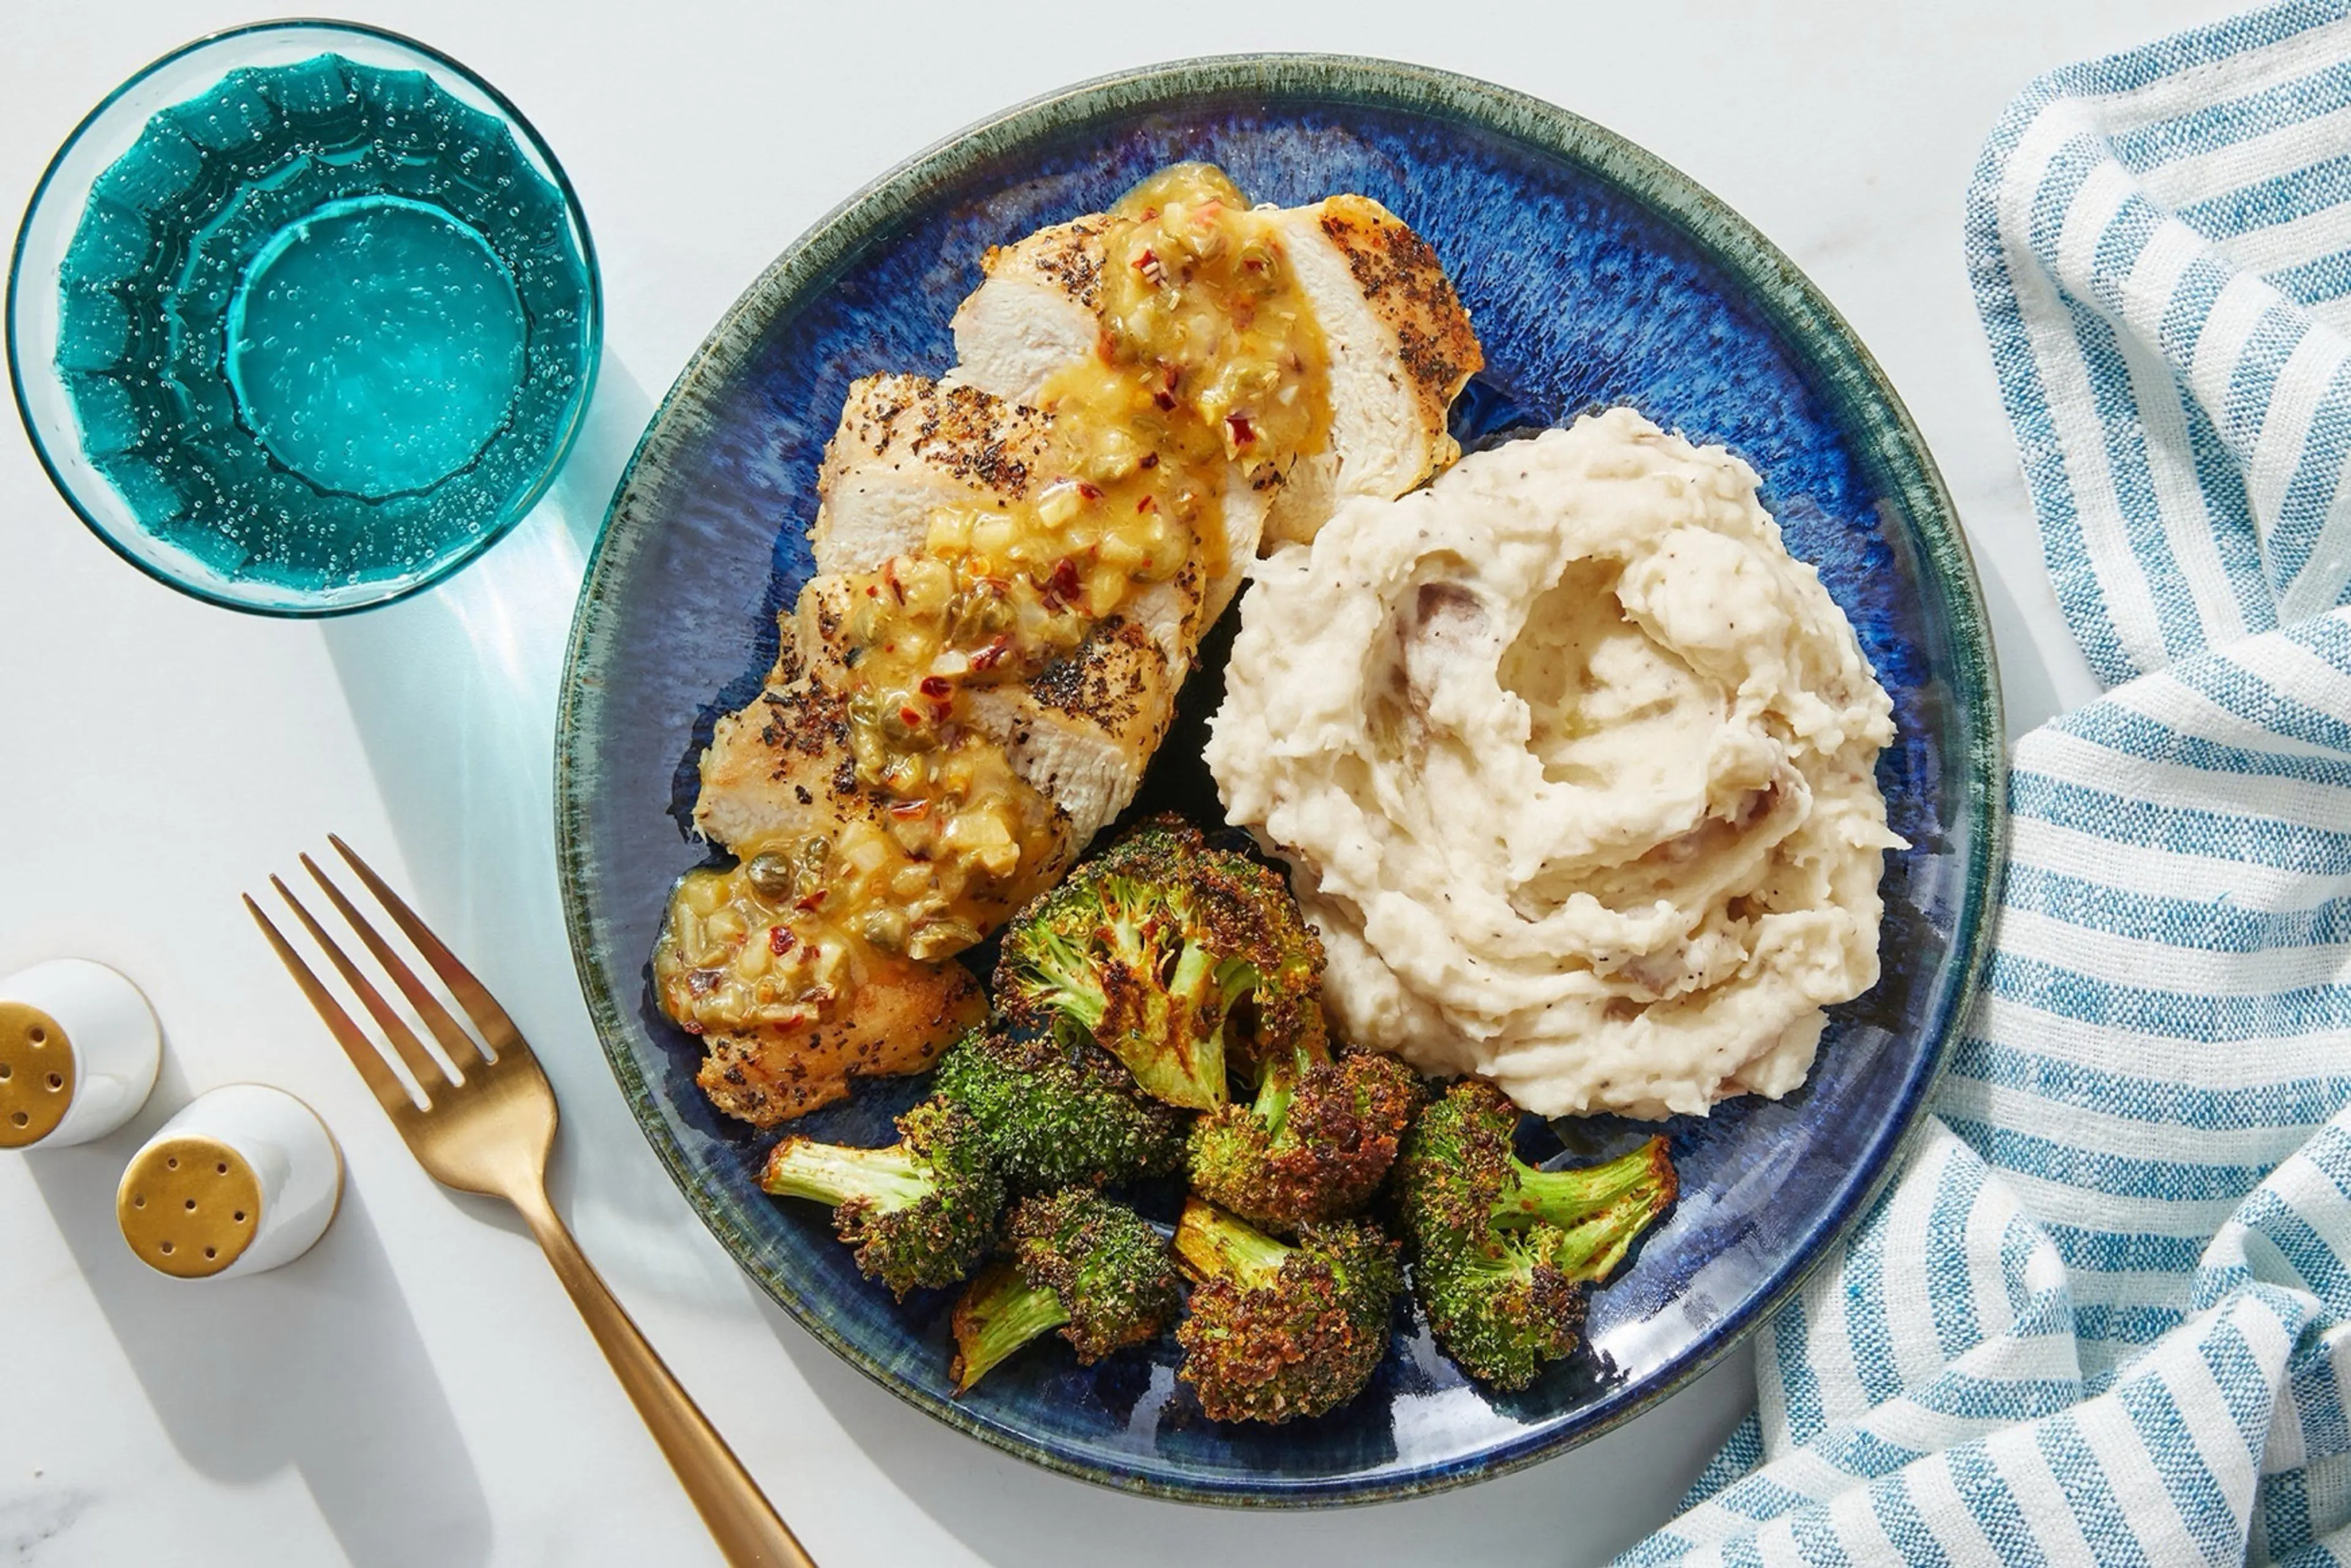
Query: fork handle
[739,1517]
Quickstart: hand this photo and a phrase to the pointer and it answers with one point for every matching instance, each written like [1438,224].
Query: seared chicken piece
[1039,310]
[905,445]
[1400,345]
[906,1016]
[1038,313]
[1081,733]
[771,770]
[1401,350]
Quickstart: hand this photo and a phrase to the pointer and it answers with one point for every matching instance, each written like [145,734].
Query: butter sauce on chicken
[1016,563]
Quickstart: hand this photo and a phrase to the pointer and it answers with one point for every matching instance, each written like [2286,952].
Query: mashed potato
[1573,767]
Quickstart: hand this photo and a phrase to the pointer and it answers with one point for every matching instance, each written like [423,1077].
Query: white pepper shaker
[79,1050]
[245,1178]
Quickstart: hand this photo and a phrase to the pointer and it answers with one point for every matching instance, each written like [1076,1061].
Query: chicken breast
[1038,311]
[904,1021]
[1401,350]
[1081,733]
[772,770]
[905,445]
[826,952]
[1400,343]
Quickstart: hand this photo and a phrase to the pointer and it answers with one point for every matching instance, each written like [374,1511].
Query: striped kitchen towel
[2104,1315]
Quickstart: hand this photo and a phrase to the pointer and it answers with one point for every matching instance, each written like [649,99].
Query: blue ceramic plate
[1596,275]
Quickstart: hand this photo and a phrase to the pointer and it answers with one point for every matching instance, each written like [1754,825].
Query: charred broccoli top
[1314,1142]
[1152,948]
[1276,1331]
[1503,1253]
[1079,1262]
[921,1212]
[1059,1113]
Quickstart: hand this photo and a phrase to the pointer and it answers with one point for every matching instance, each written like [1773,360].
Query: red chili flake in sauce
[1148,265]
[935,685]
[1148,504]
[987,658]
[907,810]
[1064,581]
[781,941]
[1089,492]
[1243,431]
[872,592]
[808,905]
[1163,400]
[1151,460]
[911,714]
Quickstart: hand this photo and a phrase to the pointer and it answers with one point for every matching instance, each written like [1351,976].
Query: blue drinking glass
[302,318]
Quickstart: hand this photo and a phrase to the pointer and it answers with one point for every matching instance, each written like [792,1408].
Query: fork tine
[460,1045]
[390,1092]
[480,1006]
[429,1073]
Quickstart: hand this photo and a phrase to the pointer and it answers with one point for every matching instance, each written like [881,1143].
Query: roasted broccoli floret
[1503,1255]
[1276,1331]
[1311,1144]
[1059,1113]
[1159,949]
[923,1211]
[1094,1269]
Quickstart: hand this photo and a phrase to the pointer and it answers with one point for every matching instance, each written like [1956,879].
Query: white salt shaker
[79,1050]
[246,1179]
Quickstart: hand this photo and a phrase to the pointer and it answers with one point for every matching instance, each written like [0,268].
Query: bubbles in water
[306,340]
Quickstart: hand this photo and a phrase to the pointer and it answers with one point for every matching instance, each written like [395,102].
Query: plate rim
[1797,308]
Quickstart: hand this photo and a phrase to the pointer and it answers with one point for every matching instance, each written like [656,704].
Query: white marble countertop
[418,1390]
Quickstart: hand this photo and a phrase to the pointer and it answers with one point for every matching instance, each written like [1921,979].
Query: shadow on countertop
[320,1367]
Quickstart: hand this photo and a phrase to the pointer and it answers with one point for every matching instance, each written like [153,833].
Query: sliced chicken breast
[1400,344]
[1038,311]
[1082,731]
[905,1019]
[905,445]
[1401,349]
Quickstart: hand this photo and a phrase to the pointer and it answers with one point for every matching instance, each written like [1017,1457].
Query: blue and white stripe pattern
[2104,1314]
[2162,249]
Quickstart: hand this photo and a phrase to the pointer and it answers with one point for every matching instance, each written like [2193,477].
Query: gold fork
[488,1131]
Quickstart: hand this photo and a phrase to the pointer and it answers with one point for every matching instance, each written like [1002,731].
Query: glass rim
[558,452]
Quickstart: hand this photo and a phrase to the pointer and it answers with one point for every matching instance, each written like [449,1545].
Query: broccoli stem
[888,1178]
[1273,1097]
[996,1316]
[1213,1244]
[1568,1198]
[1593,1249]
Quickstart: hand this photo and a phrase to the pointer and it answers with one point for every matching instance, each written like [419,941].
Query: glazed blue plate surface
[1596,275]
